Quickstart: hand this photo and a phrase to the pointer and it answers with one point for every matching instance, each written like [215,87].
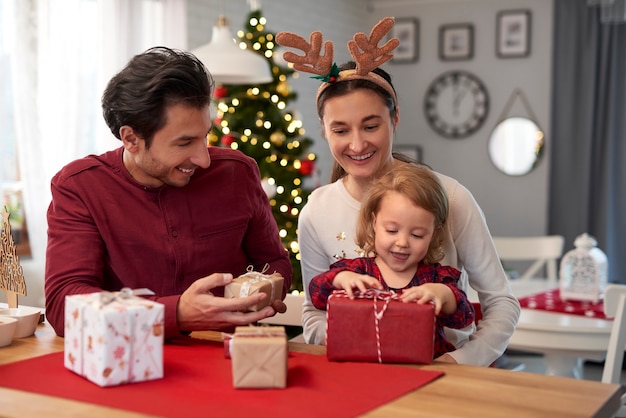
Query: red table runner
[198,382]
[551,301]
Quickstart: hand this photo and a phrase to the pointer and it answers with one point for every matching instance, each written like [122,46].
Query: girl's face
[359,131]
[402,233]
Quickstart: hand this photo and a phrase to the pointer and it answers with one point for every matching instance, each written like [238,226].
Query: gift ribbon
[374,294]
[253,332]
[124,293]
[255,277]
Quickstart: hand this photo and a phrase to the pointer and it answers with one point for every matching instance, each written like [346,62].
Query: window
[10,184]
[55,60]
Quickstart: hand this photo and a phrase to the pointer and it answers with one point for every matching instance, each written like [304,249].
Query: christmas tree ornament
[584,271]
[278,138]
[283,88]
[220,92]
[306,167]
[212,138]
[228,139]
[269,187]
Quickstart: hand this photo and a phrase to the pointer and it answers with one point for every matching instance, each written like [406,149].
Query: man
[163,211]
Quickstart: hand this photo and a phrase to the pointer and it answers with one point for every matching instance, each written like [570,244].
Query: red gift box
[376,326]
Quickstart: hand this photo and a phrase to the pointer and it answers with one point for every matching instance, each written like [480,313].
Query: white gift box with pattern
[114,338]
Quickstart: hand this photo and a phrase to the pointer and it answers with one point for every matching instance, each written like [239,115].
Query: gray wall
[512,205]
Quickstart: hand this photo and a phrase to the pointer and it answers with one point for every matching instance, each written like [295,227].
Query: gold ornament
[283,88]
[213,139]
[277,138]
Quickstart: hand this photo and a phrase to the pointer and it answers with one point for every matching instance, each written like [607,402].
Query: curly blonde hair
[421,186]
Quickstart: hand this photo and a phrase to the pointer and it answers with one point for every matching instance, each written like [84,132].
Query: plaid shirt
[321,287]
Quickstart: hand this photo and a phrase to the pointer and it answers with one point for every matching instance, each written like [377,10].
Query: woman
[358,109]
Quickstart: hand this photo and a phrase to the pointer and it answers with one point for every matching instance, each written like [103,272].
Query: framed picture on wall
[411,151]
[407,31]
[456,42]
[513,33]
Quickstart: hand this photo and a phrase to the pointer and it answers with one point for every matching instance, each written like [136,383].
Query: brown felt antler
[366,52]
[312,61]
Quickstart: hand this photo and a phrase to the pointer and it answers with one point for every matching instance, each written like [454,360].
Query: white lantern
[584,271]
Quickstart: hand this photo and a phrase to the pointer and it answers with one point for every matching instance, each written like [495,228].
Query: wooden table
[466,391]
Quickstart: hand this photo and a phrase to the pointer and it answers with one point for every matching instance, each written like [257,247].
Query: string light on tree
[256,120]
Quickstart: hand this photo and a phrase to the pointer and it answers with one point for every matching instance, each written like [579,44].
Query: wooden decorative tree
[11,273]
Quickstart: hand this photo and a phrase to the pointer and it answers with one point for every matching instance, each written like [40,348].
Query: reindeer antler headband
[364,50]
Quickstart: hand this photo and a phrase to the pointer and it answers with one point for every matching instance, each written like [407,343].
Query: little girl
[399,228]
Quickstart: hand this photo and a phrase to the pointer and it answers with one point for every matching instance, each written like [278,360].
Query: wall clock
[456,104]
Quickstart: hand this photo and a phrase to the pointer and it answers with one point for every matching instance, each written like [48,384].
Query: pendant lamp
[229,64]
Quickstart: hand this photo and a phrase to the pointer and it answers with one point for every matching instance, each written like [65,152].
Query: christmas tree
[255,119]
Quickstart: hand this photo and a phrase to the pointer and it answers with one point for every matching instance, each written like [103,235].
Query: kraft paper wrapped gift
[376,326]
[254,282]
[259,357]
[114,338]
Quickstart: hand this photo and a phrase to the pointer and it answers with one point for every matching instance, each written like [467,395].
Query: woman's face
[359,131]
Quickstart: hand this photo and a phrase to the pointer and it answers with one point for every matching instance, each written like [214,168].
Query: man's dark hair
[151,82]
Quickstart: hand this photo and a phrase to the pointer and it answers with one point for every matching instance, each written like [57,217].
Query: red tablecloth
[198,382]
[551,301]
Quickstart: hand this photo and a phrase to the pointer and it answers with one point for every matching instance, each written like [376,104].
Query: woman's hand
[350,281]
[438,294]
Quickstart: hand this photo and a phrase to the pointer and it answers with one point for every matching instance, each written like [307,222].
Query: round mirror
[515,146]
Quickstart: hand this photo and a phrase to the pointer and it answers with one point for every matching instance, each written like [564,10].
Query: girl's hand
[349,281]
[438,294]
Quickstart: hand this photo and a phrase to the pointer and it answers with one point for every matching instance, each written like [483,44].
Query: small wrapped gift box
[376,326]
[259,357]
[114,338]
[254,282]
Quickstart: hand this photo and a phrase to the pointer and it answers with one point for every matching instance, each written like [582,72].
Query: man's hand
[279,306]
[199,310]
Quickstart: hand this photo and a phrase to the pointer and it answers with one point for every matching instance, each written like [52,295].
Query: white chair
[543,250]
[614,307]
